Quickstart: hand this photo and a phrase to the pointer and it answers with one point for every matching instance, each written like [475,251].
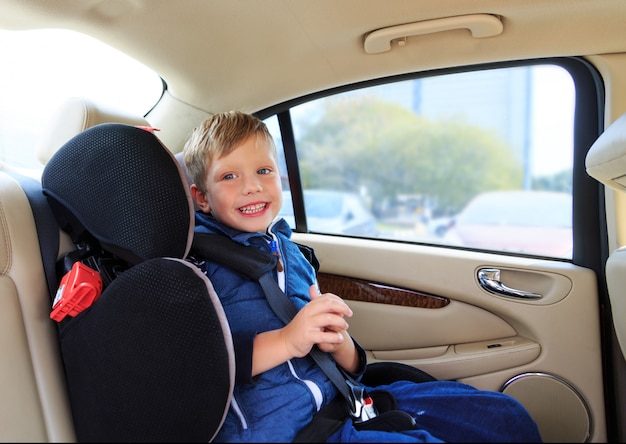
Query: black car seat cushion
[151,360]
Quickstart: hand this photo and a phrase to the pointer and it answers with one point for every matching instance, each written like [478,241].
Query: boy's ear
[200,198]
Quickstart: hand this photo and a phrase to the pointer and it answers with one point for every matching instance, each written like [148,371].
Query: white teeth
[252,209]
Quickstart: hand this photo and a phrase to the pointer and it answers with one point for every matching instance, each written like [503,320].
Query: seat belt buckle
[362,408]
[79,289]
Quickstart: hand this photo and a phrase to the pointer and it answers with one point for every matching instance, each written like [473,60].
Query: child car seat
[151,359]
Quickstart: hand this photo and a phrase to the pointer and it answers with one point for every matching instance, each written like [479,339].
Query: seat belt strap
[255,264]
[285,310]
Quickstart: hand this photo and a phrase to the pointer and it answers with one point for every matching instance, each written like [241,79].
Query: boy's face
[243,187]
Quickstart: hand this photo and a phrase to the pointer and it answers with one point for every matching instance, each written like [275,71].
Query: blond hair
[217,136]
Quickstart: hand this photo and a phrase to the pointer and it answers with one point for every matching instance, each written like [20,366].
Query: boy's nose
[252,186]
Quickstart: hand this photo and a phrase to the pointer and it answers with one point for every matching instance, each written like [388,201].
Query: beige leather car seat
[33,398]
[75,115]
[606,162]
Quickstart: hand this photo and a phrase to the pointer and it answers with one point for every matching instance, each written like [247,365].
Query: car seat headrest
[74,116]
[606,159]
[118,184]
[181,161]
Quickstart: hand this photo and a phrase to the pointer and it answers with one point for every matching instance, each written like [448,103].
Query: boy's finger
[330,337]
[314,292]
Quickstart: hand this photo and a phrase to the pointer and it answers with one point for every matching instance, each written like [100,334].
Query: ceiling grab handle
[479,25]
[489,279]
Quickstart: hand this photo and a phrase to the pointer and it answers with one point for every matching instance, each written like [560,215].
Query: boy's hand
[320,322]
[343,352]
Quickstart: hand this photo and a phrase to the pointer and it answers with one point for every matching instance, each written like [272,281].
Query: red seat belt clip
[79,289]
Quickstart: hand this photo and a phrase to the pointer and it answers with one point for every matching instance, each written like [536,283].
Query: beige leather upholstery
[75,115]
[33,405]
[616,283]
[606,162]
[33,397]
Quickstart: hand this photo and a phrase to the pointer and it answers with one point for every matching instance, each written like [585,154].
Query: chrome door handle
[489,279]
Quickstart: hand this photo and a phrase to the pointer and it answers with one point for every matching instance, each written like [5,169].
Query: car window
[479,159]
[523,209]
[43,68]
[331,211]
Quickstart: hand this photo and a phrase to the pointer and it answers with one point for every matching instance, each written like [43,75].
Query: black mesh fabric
[120,184]
[382,373]
[151,360]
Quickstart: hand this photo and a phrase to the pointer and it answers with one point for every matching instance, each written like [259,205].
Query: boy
[233,163]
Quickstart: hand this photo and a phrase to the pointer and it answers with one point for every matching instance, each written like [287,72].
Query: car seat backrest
[606,162]
[151,359]
[34,404]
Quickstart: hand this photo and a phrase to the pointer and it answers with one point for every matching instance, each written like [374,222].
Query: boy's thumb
[314,291]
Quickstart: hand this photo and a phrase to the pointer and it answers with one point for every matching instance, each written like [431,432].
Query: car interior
[605,163]
[546,327]
[27,321]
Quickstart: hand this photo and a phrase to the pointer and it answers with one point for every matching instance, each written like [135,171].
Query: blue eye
[228,177]
[264,171]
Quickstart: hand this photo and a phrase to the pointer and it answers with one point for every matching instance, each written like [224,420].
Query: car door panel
[478,338]
[410,324]
[461,361]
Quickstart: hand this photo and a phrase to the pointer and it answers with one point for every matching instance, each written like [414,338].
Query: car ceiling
[232,54]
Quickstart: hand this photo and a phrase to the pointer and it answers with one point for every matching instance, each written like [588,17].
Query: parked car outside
[333,212]
[530,222]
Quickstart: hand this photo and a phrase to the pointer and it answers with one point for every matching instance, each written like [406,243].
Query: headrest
[180,159]
[74,116]
[118,184]
[606,159]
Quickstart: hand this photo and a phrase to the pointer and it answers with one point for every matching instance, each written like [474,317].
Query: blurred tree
[363,142]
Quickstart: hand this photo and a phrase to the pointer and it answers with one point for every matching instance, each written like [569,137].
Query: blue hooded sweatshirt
[276,404]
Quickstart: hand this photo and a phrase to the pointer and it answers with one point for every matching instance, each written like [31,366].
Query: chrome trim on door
[489,279]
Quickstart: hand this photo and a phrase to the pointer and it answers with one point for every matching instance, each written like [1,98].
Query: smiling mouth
[253,208]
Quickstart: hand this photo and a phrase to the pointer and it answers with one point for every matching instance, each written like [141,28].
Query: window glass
[274,129]
[43,68]
[477,159]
